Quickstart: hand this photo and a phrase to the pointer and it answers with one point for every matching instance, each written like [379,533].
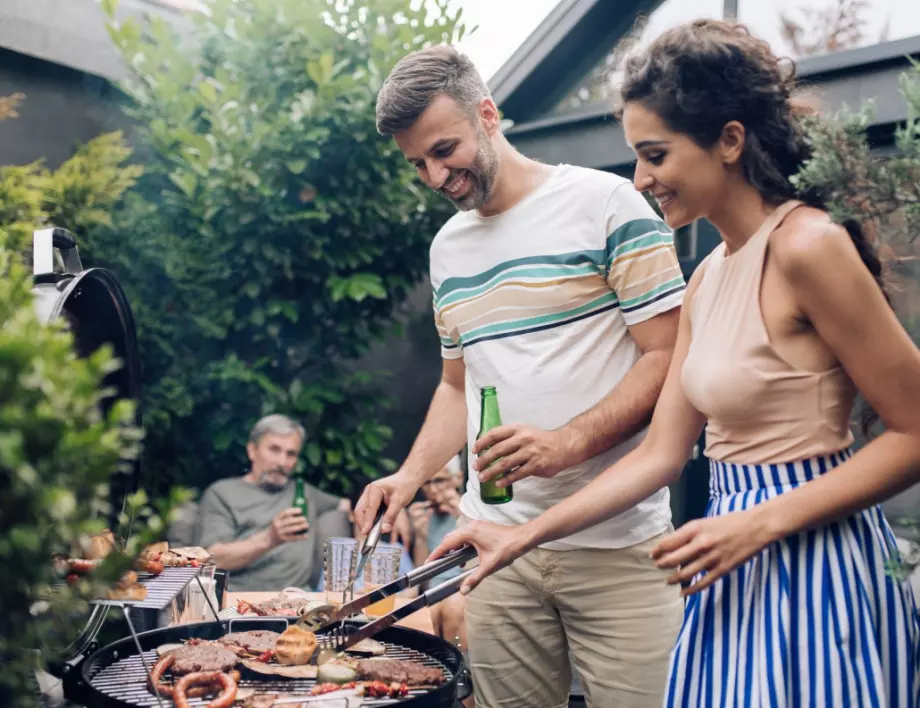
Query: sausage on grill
[225,682]
[197,691]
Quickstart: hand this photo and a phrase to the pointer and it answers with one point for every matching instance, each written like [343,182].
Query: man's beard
[481,176]
[269,485]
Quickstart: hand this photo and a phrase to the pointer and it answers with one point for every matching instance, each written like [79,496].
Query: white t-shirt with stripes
[537,301]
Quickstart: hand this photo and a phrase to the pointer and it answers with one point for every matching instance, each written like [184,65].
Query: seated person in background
[250,527]
[432,519]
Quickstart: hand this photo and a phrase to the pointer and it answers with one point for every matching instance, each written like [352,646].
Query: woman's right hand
[497,546]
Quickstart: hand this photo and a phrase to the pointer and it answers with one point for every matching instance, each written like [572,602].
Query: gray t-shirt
[234,509]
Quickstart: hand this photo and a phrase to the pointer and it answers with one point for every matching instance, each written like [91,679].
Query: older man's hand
[522,451]
[288,525]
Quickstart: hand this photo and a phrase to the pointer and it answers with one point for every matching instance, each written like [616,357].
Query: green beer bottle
[490,418]
[300,497]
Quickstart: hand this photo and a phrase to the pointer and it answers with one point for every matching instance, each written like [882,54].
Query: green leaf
[208,92]
[185,181]
[313,453]
[109,7]
[326,65]
[296,166]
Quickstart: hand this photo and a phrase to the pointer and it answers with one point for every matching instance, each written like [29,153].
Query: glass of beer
[340,558]
[382,568]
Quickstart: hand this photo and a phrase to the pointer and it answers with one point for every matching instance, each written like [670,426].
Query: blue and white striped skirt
[819,619]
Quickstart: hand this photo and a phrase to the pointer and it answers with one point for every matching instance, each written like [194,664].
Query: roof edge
[565,14]
[808,69]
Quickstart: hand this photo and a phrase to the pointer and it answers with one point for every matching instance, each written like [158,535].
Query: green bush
[57,454]
[58,448]
[81,195]
[277,234]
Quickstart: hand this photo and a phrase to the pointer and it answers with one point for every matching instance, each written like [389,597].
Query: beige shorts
[609,610]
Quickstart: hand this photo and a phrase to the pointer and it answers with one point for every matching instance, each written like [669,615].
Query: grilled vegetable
[331,672]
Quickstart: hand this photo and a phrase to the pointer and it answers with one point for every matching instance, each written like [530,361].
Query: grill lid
[96,309]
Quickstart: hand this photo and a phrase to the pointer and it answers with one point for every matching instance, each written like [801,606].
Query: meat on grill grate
[254,642]
[395,671]
[202,657]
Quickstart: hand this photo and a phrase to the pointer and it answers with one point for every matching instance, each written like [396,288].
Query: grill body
[114,676]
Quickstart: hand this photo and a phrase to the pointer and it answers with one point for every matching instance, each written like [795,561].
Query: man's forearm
[442,435]
[237,555]
[622,413]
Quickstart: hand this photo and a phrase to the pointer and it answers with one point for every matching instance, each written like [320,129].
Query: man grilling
[249,523]
[559,286]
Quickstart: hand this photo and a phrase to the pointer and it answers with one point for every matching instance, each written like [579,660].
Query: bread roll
[100,546]
[152,551]
[295,646]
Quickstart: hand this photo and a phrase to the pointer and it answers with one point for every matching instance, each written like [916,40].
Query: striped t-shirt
[537,301]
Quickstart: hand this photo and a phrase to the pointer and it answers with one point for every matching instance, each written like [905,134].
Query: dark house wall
[63,108]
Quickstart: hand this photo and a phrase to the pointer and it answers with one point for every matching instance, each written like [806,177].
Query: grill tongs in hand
[329,617]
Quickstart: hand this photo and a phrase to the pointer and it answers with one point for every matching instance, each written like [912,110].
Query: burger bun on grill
[295,646]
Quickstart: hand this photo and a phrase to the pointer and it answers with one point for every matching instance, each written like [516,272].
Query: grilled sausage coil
[201,687]
[224,682]
[156,674]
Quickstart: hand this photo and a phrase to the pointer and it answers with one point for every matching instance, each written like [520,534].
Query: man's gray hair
[275,424]
[418,78]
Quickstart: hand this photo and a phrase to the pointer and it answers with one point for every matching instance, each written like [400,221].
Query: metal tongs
[368,546]
[328,617]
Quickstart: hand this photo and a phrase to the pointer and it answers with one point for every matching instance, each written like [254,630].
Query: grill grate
[126,680]
[161,589]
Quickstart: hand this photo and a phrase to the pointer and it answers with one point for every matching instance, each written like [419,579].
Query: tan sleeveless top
[760,408]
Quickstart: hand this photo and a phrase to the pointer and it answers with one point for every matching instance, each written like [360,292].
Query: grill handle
[45,242]
[446,589]
[464,685]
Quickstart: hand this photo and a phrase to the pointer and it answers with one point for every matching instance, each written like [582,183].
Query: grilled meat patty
[202,657]
[393,670]
[256,641]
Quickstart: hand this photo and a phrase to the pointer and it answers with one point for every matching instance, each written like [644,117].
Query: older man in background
[249,523]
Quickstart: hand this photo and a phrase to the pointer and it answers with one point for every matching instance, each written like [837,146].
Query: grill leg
[140,653]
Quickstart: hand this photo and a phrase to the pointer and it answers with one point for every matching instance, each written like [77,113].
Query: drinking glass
[340,558]
[197,608]
[382,568]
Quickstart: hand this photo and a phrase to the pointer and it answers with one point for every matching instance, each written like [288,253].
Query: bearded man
[559,286]
[250,526]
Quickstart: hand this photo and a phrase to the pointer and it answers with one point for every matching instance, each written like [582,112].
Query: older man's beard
[481,175]
[270,485]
